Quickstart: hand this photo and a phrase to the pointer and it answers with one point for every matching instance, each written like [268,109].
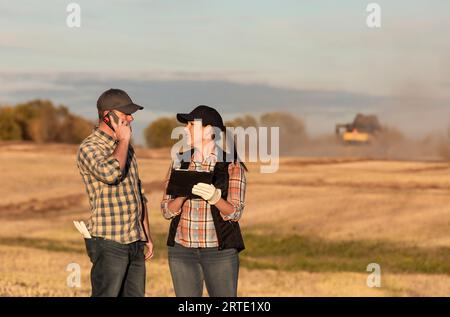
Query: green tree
[38,120]
[292,130]
[74,129]
[245,122]
[157,134]
[41,121]
[9,128]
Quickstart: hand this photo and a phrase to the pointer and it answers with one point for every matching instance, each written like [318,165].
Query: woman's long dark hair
[235,154]
[236,157]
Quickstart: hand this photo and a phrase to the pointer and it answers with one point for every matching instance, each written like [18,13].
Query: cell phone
[111,116]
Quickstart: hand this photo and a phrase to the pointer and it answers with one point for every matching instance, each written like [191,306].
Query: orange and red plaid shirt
[196,227]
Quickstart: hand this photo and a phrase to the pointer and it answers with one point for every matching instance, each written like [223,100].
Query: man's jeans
[117,269]
[189,267]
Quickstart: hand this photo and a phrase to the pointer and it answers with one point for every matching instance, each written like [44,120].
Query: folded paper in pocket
[81,227]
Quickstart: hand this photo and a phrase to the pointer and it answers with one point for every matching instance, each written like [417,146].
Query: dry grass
[335,200]
[30,272]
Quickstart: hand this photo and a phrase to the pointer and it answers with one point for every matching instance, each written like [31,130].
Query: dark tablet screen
[182,181]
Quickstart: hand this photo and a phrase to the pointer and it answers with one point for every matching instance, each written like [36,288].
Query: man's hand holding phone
[122,129]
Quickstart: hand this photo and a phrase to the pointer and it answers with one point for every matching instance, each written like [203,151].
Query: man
[119,218]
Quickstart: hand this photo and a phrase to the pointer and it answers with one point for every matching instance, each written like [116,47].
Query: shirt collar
[211,154]
[104,136]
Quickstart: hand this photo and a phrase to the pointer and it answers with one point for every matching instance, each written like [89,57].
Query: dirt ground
[332,199]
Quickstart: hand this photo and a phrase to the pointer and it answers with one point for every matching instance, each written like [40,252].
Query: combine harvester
[361,131]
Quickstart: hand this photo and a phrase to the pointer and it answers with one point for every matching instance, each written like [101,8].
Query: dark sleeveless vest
[228,232]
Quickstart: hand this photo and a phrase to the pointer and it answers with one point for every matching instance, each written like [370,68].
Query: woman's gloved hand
[208,192]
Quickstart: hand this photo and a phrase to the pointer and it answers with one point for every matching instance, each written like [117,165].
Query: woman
[204,236]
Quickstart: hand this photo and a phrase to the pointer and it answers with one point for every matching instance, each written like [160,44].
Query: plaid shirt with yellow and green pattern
[116,198]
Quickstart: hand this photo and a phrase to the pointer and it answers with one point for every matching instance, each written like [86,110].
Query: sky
[315,59]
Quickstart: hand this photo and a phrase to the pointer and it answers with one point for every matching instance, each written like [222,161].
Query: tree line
[41,121]
[292,129]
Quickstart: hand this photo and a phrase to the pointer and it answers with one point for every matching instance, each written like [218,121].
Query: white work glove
[208,192]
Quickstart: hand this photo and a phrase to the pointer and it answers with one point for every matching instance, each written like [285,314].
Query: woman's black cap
[209,116]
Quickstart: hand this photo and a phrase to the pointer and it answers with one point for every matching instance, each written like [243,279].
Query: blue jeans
[117,269]
[190,267]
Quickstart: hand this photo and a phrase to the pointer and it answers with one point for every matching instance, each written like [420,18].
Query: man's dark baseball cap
[117,99]
[209,116]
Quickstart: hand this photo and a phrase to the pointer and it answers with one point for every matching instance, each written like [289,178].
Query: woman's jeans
[117,269]
[189,267]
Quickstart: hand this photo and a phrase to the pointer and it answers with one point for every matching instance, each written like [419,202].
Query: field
[311,229]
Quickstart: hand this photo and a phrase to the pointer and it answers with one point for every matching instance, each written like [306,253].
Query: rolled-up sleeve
[104,168]
[236,191]
[167,214]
